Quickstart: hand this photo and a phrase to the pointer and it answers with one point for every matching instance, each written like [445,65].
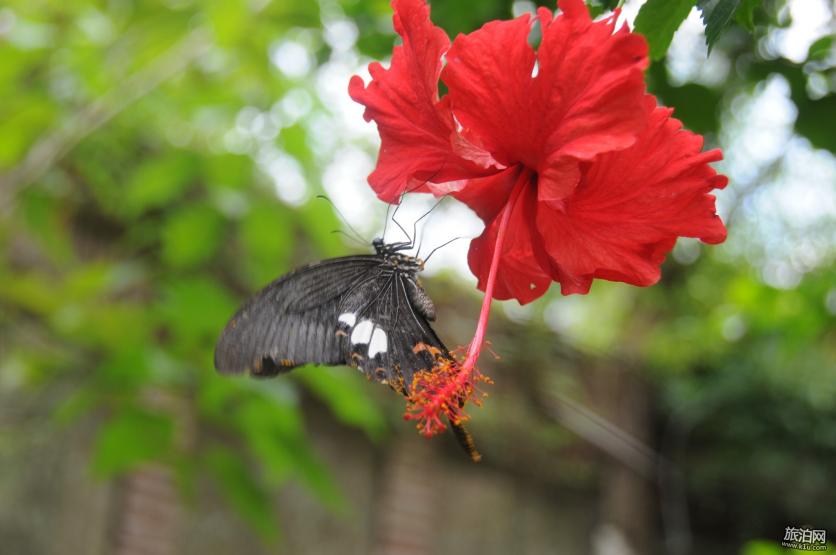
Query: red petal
[631,205]
[582,101]
[486,196]
[520,273]
[558,179]
[415,129]
[488,75]
[594,80]
[573,8]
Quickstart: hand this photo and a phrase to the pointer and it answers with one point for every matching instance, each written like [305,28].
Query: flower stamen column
[445,390]
[478,340]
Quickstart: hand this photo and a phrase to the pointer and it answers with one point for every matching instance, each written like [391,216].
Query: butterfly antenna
[357,236]
[440,246]
[352,237]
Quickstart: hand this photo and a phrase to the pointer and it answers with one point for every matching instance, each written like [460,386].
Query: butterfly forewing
[360,311]
[291,321]
[315,284]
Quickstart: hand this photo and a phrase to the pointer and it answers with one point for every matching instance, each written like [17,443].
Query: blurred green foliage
[126,258]
[658,21]
[133,241]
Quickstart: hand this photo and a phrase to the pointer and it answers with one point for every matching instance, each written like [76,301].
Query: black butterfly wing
[385,323]
[293,320]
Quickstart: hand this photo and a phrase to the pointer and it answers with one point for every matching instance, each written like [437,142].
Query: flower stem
[445,390]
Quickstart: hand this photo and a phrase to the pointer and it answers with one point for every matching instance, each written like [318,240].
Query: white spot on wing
[378,343]
[348,318]
[363,332]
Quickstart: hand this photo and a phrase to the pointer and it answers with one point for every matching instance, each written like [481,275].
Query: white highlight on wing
[348,318]
[378,343]
[363,332]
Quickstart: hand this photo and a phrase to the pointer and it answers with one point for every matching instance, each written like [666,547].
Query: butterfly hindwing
[387,330]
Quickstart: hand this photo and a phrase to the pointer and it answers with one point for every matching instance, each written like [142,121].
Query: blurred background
[159,162]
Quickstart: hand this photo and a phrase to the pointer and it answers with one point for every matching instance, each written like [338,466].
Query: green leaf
[75,406]
[244,492]
[595,10]
[745,14]
[347,396]
[820,49]
[86,283]
[191,236]
[127,369]
[24,117]
[228,171]
[109,325]
[697,106]
[658,20]
[599,7]
[34,292]
[274,432]
[716,14]
[295,142]
[158,181]
[314,474]
[134,436]
[195,310]
[318,220]
[215,394]
[229,20]
[44,218]
[814,121]
[264,426]
[267,233]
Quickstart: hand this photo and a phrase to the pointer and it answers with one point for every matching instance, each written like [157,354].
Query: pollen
[425,347]
[443,391]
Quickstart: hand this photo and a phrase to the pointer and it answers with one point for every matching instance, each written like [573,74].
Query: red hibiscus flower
[574,169]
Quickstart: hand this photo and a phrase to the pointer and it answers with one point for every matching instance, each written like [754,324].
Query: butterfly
[367,311]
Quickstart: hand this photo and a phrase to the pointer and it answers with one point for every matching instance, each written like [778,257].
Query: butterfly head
[392,253]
